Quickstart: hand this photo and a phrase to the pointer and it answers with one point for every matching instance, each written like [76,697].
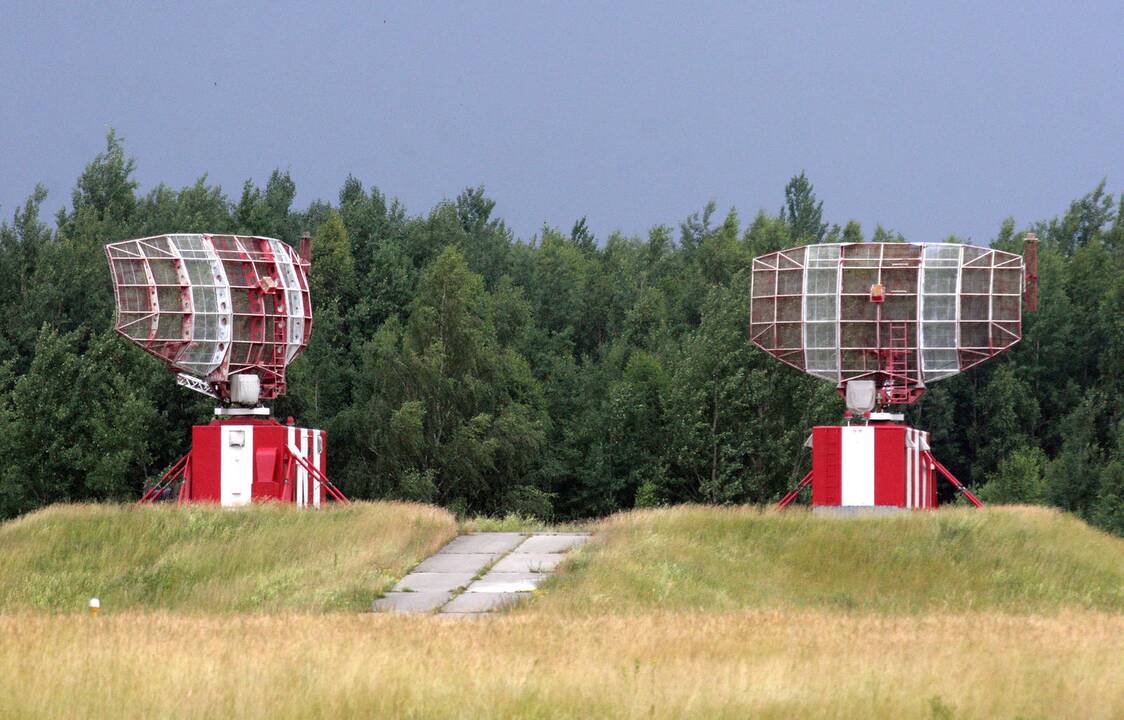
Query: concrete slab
[489,543]
[522,562]
[483,602]
[553,543]
[508,582]
[411,602]
[444,562]
[433,582]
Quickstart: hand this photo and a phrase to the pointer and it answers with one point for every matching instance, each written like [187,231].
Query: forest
[563,376]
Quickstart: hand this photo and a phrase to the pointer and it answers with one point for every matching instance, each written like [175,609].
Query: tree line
[563,376]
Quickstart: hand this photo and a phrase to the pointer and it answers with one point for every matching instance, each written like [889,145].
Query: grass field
[205,559]
[1011,559]
[685,612]
[784,664]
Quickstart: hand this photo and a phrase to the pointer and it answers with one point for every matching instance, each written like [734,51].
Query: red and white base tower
[227,313]
[882,465]
[883,321]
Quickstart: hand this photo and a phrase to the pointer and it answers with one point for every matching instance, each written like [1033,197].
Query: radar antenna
[227,314]
[883,321]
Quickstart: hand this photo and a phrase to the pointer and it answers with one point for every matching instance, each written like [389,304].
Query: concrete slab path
[480,572]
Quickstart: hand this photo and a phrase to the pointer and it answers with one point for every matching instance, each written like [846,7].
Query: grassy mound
[202,559]
[1013,559]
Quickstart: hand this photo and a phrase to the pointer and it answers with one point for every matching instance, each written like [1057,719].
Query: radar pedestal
[875,463]
[241,459]
[245,456]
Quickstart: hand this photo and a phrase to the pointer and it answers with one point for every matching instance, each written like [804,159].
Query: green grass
[1011,559]
[514,522]
[203,559]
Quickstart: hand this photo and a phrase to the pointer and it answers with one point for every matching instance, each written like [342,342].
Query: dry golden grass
[205,559]
[762,664]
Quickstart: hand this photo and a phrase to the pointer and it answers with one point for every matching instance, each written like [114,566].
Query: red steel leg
[787,499]
[956,483]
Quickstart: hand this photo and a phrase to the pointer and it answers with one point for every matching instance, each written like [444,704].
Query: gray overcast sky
[930,120]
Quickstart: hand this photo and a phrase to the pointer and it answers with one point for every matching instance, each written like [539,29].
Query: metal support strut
[925,455]
[314,472]
[792,494]
[928,456]
[180,470]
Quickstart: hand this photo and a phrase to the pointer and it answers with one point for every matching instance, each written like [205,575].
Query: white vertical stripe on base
[918,471]
[926,478]
[236,464]
[290,436]
[857,456]
[909,450]
[302,474]
[918,500]
[317,447]
[922,473]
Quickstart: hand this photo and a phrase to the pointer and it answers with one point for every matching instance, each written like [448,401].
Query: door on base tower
[237,471]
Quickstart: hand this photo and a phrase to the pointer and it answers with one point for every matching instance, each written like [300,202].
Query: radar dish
[901,314]
[214,306]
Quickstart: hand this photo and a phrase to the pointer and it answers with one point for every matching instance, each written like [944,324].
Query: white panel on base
[857,451]
[237,464]
[302,474]
[317,448]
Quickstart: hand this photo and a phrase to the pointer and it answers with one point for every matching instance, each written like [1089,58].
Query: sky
[930,118]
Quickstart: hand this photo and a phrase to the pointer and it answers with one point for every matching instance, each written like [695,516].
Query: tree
[105,194]
[885,235]
[1108,512]
[21,245]
[70,288]
[581,236]
[1006,415]
[441,405]
[559,285]
[801,211]
[486,240]
[1073,476]
[767,234]
[268,213]
[197,208]
[332,274]
[76,425]
[853,232]
[1086,219]
[1018,479]
[738,426]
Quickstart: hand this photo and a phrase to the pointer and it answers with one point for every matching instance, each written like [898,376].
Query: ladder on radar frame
[897,389]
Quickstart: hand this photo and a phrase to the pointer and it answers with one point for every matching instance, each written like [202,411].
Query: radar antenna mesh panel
[212,306]
[902,314]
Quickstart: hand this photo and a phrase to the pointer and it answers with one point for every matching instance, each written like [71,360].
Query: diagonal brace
[181,468]
[317,475]
[787,499]
[952,479]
